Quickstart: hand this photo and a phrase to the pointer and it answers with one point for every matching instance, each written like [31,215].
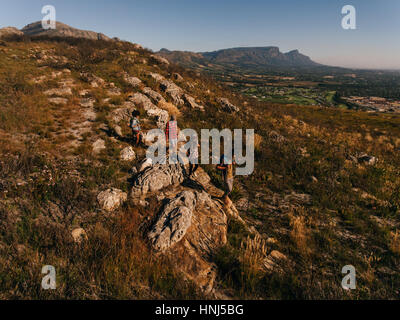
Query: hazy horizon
[312,27]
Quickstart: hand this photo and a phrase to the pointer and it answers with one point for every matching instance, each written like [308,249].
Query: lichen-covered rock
[174,221]
[111,199]
[156,178]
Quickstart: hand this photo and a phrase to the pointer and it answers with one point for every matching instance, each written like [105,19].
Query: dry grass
[394,243]
[171,108]
[300,234]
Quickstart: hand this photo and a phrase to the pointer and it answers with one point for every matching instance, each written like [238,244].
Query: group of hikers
[225,166]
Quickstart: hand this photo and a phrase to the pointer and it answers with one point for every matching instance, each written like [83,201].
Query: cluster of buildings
[374,104]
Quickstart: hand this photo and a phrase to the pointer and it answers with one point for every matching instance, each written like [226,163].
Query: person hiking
[172,133]
[226,167]
[193,158]
[135,126]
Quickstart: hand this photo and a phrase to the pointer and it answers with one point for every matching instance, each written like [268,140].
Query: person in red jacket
[172,133]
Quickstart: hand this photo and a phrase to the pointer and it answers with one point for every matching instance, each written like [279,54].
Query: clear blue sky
[312,26]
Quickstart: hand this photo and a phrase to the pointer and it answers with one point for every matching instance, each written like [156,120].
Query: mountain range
[245,57]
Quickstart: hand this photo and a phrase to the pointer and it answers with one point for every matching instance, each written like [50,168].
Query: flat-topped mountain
[242,57]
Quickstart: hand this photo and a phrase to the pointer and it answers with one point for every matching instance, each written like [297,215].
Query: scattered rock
[58,101]
[78,235]
[114,91]
[133,81]
[367,159]
[98,145]
[59,92]
[297,198]
[271,262]
[276,137]
[94,81]
[128,154]
[87,102]
[192,102]
[111,199]
[227,106]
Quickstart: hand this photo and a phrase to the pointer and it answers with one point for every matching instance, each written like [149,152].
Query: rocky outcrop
[227,106]
[190,228]
[159,59]
[59,92]
[133,81]
[156,178]
[151,109]
[62,30]
[174,91]
[153,95]
[174,221]
[10,31]
[94,80]
[111,199]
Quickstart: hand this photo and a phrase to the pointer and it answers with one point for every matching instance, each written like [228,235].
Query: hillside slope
[74,193]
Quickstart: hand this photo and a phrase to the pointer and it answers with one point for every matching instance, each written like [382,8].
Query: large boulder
[111,199]
[190,228]
[174,221]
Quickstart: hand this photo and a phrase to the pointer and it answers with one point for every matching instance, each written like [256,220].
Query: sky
[314,27]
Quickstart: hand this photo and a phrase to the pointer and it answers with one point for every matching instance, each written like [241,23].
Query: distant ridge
[246,57]
[62,30]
